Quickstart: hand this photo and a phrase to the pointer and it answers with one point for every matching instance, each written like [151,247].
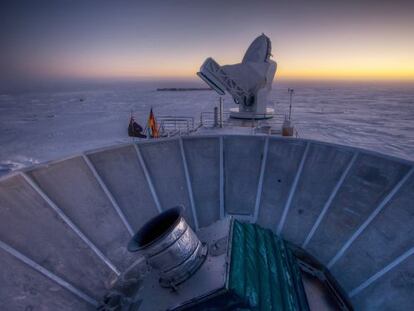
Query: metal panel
[331,197]
[388,235]
[189,185]
[109,195]
[203,159]
[23,288]
[283,159]
[322,170]
[72,186]
[242,162]
[392,291]
[369,181]
[148,178]
[31,227]
[71,225]
[222,208]
[292,190]
[121,171]
[365,229]
[165,166]
[58,280]
[260,182]
[368,221]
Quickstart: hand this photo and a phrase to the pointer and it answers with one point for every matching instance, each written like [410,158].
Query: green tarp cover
[263,271]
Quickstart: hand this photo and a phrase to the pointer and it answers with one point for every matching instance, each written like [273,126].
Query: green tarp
[263,271]
[263,275]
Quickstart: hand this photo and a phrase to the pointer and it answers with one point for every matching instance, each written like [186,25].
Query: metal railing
[209,119]
[176,125]
[170,126]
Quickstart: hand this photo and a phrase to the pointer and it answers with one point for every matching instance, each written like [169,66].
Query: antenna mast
[290,91]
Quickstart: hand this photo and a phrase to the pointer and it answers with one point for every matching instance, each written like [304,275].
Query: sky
[121,39]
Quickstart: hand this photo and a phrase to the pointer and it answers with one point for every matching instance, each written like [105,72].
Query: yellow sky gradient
[356,68]
[334,40]
[355,65]
[338,56]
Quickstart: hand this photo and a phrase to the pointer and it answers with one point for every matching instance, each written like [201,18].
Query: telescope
[249,82]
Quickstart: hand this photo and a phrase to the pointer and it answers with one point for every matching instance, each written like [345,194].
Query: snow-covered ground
[41,126]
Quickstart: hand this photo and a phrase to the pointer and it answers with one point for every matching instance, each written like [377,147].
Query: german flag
[152,126]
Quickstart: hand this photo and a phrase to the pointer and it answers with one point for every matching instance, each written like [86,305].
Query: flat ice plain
[43,125]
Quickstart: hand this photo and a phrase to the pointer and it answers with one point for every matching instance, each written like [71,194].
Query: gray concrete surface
[393,292]
[385,238]
[165,165]
[317,295]
[368,182]
[322,170]
[242,160]
[27,290]
[203,157]
[30,226]
[375,267]
[71,185]
[283,160]
[121,172]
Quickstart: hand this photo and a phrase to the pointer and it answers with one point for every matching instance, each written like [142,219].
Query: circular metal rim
[133,245]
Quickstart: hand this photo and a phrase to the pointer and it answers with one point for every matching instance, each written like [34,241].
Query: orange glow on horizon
[325,40]
[311,67]
[338,73]
[352,62]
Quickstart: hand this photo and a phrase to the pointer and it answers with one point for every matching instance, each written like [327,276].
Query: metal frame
[77,292]
[148,178]
[380,273]
[261,177]
[293,189]
[71,225]
[376,211]
[189,187]
[108,194]
[222,207]
[336,189]
[330,199]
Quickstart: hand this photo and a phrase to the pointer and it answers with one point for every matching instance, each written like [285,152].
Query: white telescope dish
[249,83]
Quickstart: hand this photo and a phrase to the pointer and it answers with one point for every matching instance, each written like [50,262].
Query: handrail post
[221,112]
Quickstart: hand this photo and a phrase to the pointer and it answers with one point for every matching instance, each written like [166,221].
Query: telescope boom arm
[214,75]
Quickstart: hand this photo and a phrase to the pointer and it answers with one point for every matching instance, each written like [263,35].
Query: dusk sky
[62,39]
